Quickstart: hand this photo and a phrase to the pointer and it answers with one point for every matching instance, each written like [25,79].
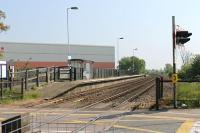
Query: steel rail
[126,91]
[136,95]
[124,87]
[89,92]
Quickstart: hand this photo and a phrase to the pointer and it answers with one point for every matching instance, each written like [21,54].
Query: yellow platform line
[116,126]
[87,115]
[21,112]
[137,129]
[160,117]
[106,121]
[84,114]
[186,126]
[2,119]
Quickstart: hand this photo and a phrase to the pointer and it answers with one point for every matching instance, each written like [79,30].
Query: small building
[85,64]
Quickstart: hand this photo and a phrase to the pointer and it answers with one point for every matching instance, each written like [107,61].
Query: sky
[144,24]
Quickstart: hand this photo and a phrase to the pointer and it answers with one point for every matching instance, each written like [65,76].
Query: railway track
[122,104]
[75,96]
[118,100]
[115,96]
[117,93]
[72,95]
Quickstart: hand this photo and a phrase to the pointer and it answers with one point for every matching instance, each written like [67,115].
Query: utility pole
[68,48]
[120,38]
[174,59]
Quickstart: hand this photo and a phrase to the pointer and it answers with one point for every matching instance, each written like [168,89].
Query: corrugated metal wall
[56,52]
[103,56]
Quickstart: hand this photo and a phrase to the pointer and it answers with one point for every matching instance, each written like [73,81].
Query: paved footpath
[141,121]
[195,127]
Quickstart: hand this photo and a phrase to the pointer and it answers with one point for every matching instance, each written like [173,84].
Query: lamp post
[68,51]
[120,38]
[135,49]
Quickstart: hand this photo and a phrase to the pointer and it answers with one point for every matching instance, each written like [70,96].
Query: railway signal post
[179,37]
[174,63]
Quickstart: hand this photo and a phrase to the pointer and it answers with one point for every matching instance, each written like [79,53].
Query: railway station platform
[57,89]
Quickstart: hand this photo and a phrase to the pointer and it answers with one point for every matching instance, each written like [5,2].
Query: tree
[155,72]
[133,64]
[191,70]
[3,27]
[168,69]
[195,67]
[185,72]
[186,57]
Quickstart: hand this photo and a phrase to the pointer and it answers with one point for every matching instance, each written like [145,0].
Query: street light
[68,53]
[120,38]
[135,49]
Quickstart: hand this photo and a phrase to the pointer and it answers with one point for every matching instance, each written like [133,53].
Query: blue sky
[144,24]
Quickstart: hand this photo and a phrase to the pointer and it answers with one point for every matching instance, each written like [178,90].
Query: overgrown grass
[12,96]
[189,94]
[32,94]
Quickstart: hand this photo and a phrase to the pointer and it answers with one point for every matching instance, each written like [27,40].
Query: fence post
[10,83]
[117,72]
[11,79]
[37,80]
[112,73]
[47,75]
[1,88]
[157,92]
[22,88]
[101,73]
[161,87]
[26,79]
[93,73]
[80,73]
[96,76]
[70,73]
[59,73]
[74,74]
[7,78]
[54,74]
[97,72]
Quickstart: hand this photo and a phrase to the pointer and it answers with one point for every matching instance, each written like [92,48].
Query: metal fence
[15,84]
[40,123]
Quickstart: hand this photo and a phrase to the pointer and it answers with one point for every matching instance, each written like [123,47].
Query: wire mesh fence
[39,123]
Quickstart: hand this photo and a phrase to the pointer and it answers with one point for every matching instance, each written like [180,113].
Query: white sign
[3,69]
[69,57]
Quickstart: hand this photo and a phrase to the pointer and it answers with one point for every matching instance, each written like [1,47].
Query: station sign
[174,78]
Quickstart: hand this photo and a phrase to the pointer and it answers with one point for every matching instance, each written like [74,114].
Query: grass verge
[188,94]
[13,96]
